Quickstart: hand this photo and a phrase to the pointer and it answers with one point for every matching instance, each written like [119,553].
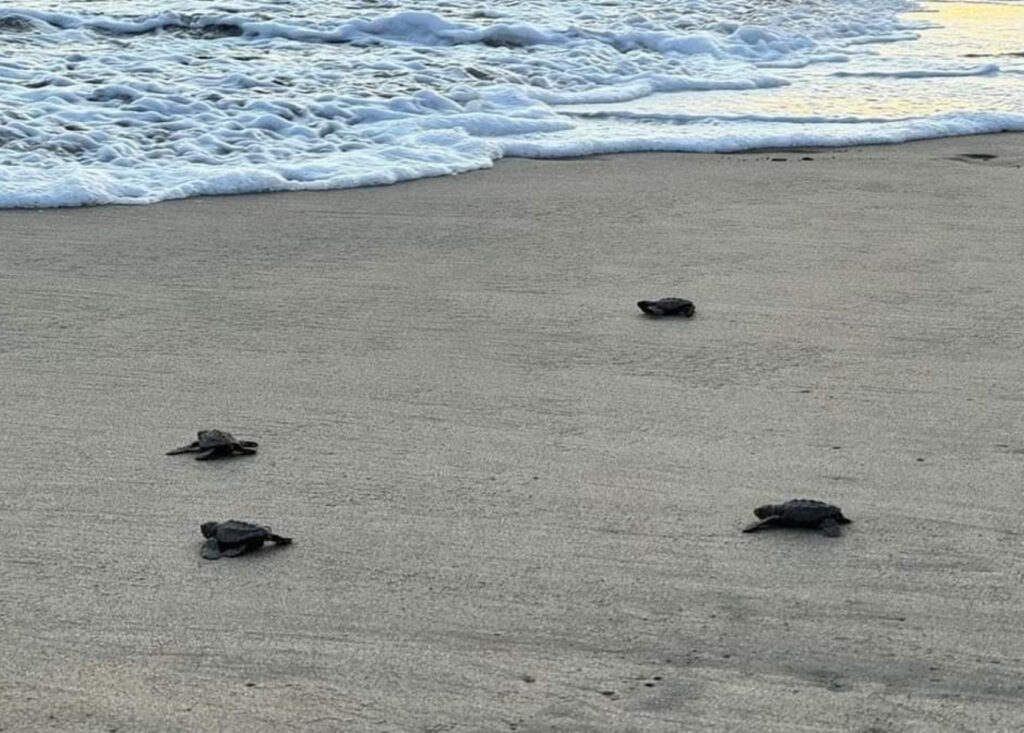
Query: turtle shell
[233,532]
[801,512]
[667,307]
[228,539]
[215,439]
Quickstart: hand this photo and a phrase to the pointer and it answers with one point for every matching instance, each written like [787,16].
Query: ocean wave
[454,146]
[741,41]
[155,103]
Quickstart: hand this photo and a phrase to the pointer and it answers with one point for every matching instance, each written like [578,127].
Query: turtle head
[209,529]
[768,510]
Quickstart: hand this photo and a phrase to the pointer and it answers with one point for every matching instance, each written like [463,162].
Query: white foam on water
[106,101]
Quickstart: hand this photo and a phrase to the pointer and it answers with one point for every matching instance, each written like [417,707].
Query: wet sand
[516,501]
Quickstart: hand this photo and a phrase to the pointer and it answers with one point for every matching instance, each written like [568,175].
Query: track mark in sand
[973,157]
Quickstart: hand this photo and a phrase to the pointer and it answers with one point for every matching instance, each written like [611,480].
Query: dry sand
[517,501]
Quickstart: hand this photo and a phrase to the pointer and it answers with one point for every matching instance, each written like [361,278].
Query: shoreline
[792,150]
[516,502]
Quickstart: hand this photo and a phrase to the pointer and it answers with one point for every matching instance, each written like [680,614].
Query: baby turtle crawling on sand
[228,539]
[216,444]
[806,513]
[667,307]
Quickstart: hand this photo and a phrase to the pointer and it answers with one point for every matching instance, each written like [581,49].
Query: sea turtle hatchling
[806,513]
[667,307]
[216,444]
[228,539]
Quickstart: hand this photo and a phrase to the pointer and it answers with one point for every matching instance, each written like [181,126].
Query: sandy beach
[516,501]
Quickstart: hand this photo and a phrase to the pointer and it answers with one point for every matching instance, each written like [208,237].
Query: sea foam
[115,102]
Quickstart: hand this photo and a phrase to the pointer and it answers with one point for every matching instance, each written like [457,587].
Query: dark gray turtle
[216,444]
[228,539]
[667,307]
[806,513]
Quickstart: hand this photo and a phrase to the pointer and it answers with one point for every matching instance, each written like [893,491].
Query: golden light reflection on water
[860,99]
[964,14]
[969,28]
[971,36]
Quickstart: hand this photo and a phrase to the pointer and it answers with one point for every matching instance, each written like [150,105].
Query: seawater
[109,101]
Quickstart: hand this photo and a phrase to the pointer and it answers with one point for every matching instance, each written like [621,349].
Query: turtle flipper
[211,549]
[234,551]
[829,527]
[248,443]
[209,454]
[243,450]
[190,448]
[650,307]
[754,526]
[279,539]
